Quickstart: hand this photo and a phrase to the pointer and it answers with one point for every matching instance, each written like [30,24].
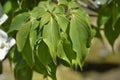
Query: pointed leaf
[33,33]
[60,52]
[62,2]
[73,5]
[44,19]
[22,71]
[27,53]
[37,12]
[112,33]
[51,37]
[63,22]
[79,34]
[18,21]
[59,10]
[43,53]
[52,70]
[22,35]
[68,50]
[39,67]
[82,14]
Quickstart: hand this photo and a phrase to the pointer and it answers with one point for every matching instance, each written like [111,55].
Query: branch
[87,6]
[93,3]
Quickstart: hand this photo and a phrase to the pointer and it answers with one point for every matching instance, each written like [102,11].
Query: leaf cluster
[51,34]
[109,21]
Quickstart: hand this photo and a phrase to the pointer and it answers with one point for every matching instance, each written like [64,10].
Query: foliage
[109,16]
[53,32]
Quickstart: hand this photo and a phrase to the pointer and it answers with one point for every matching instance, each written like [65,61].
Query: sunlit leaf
[61,53]
[45,19]
[59,10]
[63,22]
[43,3]
[37,12]
[27,53]
[79,34]
[51,37]
[62,2]
[18,21]
[33,33]
[50,7]
[22,35]
[84,18]
[73,5]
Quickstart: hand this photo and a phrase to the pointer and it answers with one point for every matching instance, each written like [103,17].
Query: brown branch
[87,6]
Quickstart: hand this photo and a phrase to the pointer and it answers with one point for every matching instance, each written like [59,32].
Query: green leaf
[79,34]
[105,13]
[59,10]
[43,53]
[22,71]
[45,19]
[51,37]
[27,53]
[112,32]
[7,6]
[63,22]
[44,3]
[52,70]
[33,33]
[62,2]
[83,16]
[69,51]
[37,12]
[22,36]
[50,7]
[73,5]
[18,21]
[39,67]
[21,68]
[63,62]
[60,53]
